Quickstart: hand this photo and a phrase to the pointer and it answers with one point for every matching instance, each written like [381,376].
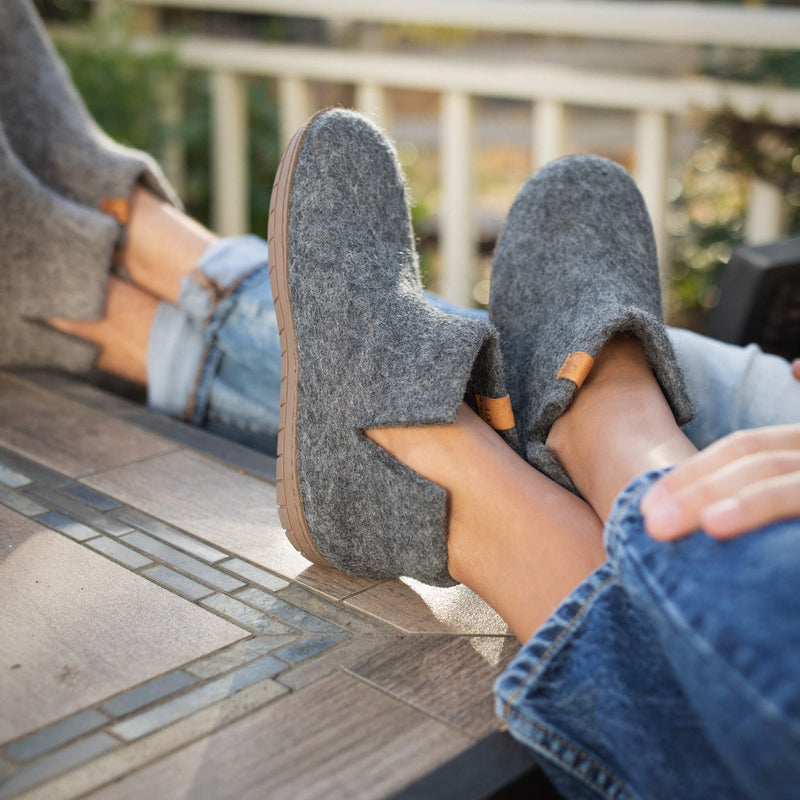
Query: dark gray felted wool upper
[48,124]
[371,353]
[55,255]
[54,259]
[575,265]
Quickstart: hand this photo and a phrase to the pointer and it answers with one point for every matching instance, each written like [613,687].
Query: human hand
[796,368]
[746,480]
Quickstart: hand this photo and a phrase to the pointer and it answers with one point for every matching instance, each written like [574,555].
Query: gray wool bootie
[51,250]
[362,349]
[50,128]
[575,265]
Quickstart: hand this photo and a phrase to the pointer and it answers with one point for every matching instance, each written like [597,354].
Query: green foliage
[707,215]
[122,90]
[126,92]
[706,220]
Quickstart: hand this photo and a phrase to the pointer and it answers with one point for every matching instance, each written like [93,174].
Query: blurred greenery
[709,202]
[127,95]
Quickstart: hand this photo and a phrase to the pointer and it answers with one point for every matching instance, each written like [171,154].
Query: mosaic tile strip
[285,634]
[56,735]
[63,523]
[12,478]
[113,549]
[183,705]
[254,574]
[58,500]
[148,693]
[180,583]
[243,614]
[237,654]
[184,562]
[287,612]
[305,648]
[20,503]
[171,535]
[32,469]
[48,766]
[98,500]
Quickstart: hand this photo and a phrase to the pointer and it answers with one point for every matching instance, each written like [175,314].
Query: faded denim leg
[733,388]
[215,360]
[670,672]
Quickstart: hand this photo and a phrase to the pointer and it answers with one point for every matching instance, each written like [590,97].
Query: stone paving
[160,635]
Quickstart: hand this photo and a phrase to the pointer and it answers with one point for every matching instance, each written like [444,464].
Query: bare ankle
[619,425]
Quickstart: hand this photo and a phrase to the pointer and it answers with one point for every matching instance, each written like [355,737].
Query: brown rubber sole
[290,501]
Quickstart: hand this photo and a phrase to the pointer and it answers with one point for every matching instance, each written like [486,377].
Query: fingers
[760,504]
[796,368]
[739,483]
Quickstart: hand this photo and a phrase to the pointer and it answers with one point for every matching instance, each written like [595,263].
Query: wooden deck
[161,638]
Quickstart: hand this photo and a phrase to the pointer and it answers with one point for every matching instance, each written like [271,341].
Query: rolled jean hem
[557,634]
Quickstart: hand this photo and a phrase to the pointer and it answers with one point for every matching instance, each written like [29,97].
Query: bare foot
[163,245]
[122,333]
[514,536]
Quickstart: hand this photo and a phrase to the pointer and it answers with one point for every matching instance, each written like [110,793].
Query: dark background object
[494,768]
[760,299]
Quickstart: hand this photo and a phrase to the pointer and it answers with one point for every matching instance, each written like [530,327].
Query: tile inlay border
[282,635]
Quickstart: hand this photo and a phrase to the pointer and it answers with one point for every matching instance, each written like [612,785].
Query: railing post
[652,156]
[173,153]
[456,234]
[371,101]
[764,213]
[549,131]
[229,157]
[295,105]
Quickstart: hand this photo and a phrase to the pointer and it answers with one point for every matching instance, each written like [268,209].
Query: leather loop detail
[495,411]
[117,207]
[576,368]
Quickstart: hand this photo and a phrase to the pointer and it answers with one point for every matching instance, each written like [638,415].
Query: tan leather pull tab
[576,367]
[117,207]
[495,411]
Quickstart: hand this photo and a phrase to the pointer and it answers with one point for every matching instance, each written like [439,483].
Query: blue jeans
[671,672]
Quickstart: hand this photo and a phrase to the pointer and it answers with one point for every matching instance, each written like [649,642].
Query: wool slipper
[575,265]
[50,128]
[53,252]
[361,348]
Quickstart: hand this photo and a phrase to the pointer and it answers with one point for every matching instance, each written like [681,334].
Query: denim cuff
[174,351]
[177,340]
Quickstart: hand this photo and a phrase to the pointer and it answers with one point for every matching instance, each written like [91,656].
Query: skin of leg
[618,426]
[123,332]
[163,245]
[515,537]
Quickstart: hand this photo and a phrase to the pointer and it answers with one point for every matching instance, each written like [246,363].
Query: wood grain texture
[448,676]
[414,607]
[76,628]
[222,506]
[339,738]
[67,436]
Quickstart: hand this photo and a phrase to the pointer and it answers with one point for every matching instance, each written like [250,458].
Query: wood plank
[234,511]
[416,608]
[67,436]
[339,738]
[76,628]
[448,676]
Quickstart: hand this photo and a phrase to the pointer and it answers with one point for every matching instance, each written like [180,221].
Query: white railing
[550,89]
